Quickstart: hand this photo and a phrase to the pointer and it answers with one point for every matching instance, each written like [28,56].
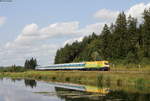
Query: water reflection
[73,95]
[76,95]
[15,79]
[31,90]
[1,79]
[30,83]
[73,92]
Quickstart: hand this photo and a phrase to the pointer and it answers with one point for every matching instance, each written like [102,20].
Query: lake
[32,90]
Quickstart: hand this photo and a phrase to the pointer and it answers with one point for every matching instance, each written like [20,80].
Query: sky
[37,28]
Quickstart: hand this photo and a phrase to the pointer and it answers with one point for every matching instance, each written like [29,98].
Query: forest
[126,41]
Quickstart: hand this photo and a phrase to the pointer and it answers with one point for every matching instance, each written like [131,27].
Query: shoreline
[86,77]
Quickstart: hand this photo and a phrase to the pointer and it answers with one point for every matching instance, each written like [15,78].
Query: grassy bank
[86,77]
[131,67]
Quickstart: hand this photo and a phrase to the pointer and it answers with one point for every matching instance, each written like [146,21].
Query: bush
[12,69]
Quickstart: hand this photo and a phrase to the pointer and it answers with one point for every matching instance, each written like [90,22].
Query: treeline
[12,68]
[29,64]
[126,40]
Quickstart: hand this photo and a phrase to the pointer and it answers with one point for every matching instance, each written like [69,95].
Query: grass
[131,67]
[128,81]
[85,77]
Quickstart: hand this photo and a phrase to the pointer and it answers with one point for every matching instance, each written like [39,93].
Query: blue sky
[23,19]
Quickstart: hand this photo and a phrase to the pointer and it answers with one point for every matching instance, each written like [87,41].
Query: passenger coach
[93,65]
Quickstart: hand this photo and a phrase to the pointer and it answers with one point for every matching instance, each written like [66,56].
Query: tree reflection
[128,96]
[1,78]
[15,79]
[30,83]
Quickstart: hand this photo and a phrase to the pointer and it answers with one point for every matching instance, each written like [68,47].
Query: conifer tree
[30,64]
[120,36]
[146,33]
[105,42]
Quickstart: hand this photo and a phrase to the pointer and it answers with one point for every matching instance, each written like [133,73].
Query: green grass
[85,77]
[131,67]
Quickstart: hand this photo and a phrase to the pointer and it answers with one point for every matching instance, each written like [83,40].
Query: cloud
[31,41]
[137,10]
[17,55]
[2,20]
[89,29]
[32,33]
[70,41]
[106,15]
[64,28]
[110,16]
[85,31]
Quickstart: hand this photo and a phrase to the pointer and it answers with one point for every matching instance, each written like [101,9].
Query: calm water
[31,90]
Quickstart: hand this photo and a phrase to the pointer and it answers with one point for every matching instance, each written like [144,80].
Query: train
[90,65]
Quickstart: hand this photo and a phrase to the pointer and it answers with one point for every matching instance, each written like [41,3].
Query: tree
[106,42]
[146,33]
[124,40]
[30,64]
[120,37]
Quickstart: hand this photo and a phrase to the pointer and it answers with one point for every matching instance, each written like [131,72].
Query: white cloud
[137,10]
[89,29]
[59,29]
[2,20]
[17,55]
[106,15]
[30,42]
[31,29]
[32,33]
[70,41]
[110,16]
